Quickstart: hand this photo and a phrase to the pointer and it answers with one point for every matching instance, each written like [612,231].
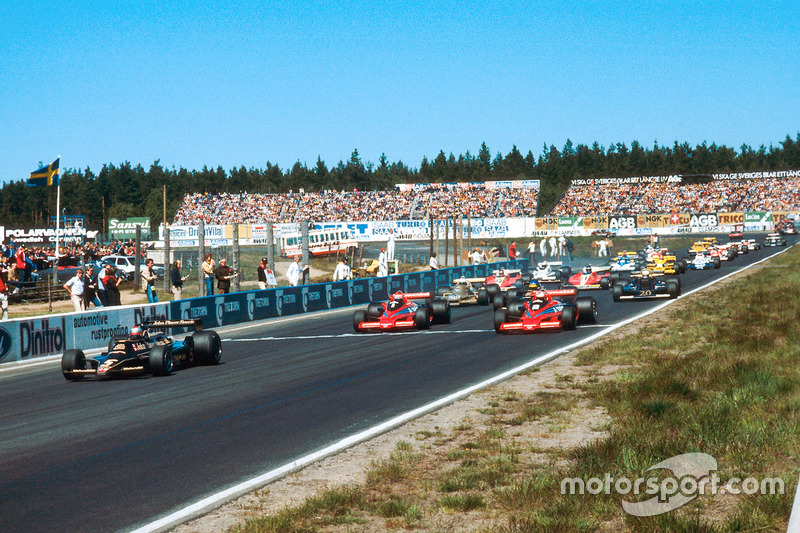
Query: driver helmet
[587,269]
[137,332]
[541,295]
[542,265]
[645,273]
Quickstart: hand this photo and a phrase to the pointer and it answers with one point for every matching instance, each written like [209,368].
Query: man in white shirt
[603,252]
[553,246]
[561,249]
[293,274]
[342,271]
[75,289]
[543,248]
[477,257]
[433,263]
[390,246]
[383,265]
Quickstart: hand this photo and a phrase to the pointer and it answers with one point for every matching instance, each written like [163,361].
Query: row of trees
[126,190]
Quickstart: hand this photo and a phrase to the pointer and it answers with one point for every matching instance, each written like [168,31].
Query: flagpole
[58,222]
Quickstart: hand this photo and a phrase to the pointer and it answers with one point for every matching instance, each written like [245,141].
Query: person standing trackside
[3,291]
[224,273]
[342,271]
[111,283]
[75,289]
[90,288]
[293,273]
[149,278]
[532,252]
[262,274]
[433,263]
[390,246]
[177,280]
[383,265]
[512,251]
[208,271]
[543,248]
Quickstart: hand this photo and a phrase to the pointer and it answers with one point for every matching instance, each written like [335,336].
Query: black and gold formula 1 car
[146,349]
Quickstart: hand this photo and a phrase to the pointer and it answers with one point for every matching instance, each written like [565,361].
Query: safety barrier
[30,338]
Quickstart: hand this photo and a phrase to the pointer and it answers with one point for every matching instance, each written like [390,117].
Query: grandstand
[636,196]
[404,202]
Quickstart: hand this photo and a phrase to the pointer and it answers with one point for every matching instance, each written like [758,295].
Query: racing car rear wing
[562,292]
[196,323]
[417,295]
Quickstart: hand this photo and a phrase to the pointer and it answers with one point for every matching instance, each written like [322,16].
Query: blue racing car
[146,349]
[645,286]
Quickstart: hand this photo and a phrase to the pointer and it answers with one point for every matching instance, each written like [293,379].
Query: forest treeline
[125,190]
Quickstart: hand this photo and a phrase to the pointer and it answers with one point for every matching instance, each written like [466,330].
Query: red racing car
[557,309]
[413,310]
[592,278]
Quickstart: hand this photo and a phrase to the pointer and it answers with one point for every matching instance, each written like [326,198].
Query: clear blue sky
[234,83]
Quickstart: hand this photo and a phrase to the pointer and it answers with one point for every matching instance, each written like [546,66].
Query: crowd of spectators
[438,201]
[739,195]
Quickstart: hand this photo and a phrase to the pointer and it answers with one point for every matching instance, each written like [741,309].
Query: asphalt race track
[113,455]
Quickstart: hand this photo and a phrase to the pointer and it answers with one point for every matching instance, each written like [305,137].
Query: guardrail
[30,338]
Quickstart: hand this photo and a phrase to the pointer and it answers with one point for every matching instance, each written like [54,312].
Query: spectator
[90,289]
[261,271]
[177,280]
[293,274]
[562,251]
[74,286]
[224,273]
[603,251]
[570,247]
[4,288]
[477,257]
[342,271]
[111,283]
[390,246]
[433,263]
[532,253]
[512,251]
[553,246]
[149,278]
[543,248]
[208,268]
[383,265]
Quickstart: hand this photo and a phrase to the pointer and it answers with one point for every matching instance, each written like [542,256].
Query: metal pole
[201,252]
[446,242]
[304,248]
[236,256]
[167,262]
[469,233]
[137,272]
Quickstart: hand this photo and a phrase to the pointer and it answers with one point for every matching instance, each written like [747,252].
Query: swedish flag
[46,175]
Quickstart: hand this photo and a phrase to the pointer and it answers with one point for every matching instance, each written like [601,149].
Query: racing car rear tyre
[566,271]
[207,347]
[483,297]
[616,291]
[73,360]
[441,311]
[605,283]
[499,301]
[441,291]
[492,289]
[374,310]
[587,310]
[615,276]
[568,317]
[499,319]
[717,262]
[422,318]
[673,289]
[161,361]
[358,318]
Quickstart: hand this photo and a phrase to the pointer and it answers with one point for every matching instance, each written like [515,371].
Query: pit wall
[32,338]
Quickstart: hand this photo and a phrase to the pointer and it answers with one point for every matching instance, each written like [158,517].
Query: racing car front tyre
[207,347]
[161,361]
[499,301]
[492,289]
[587,310]
[358,318]
[483,297]
[72,360]
[422,318]
[616,291]
[499,319]
[717,262]
[673,289]
[569,317]
[605,283]
[566,271]
[515,308]
[441,311]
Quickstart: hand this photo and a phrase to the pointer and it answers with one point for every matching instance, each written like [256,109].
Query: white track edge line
[215,500]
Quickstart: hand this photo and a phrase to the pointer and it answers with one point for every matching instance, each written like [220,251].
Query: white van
[320,242]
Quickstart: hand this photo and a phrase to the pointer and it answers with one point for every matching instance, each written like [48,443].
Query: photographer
[224,273]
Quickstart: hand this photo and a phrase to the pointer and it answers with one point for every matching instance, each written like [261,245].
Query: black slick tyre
[587,310]
[207,348]
[569,318]
[616,292]
[483,297]
[374,310]
[72,360]
[440,309]
[161,362]
[358,318]
[499,319]
[492,289]
[673,289]
[422,318]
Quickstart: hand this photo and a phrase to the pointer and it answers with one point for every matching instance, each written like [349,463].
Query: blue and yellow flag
[46,175]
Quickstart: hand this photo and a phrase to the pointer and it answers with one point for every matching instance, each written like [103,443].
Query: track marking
[213,501]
